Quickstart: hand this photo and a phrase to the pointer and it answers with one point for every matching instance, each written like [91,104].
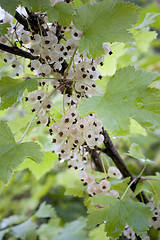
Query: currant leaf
[151,186]
[10,6]
[149,36]
[61,12]
[45,211]
[39,170]
[117,213]
[37,5]
[126,96]
[98,233]
[12,89]
[25,230]
[12,153]
[104,22]
[74,230]
[3,28]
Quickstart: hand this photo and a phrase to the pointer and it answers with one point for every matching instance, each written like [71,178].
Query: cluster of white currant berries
[74,133]
[129,234]
[103,187]
[53,54]
[155,220]
[40,106]
[57,61]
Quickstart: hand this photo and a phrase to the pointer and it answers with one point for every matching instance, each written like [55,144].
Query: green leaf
[104,22]
[50,230]
[10,6]
[120,185]
[12,220]
[149,19]
[76,190]
[126,96]
[3,28]
[117,214]
[45,211]
[37,5]
[12,153]
[98,233]
[61,12]
[73,230]
[152,186]
[135,152]
[151,9]
[136,128]
[39,170]
[25,230]
[149,36]
[110,63]
[12,89]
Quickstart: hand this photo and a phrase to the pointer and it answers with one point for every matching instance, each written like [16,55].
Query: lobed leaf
[39,170]
[12,153]
[25,230]
[12,89]
[37,5]
[10,6]
[104,22]
[45,211]
[117,213]
[61,12]
[126,96]
[3,28]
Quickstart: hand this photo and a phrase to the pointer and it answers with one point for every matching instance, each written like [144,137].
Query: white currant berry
[9,57]
[66,121]
[107,49]
[105,185]
[114,193]
[35,50]
[115,171]
[91,190]
[46,54]
[36,38]
[46,42]
[25,38]
[35,64]
[81,125]
[89,180]
[3,40]
[44,69]
[129,233]
[82,175]
[43,120]
[32,98]
[76,34]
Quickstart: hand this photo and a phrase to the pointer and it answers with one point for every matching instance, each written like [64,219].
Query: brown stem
[21,20]
[111,151]
[97,160]
[17,51]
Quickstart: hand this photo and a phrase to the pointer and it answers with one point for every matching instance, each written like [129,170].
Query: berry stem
[130,184]
[70,63]
[32,120]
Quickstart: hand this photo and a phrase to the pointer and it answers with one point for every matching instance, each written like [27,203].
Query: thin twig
[34,117]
